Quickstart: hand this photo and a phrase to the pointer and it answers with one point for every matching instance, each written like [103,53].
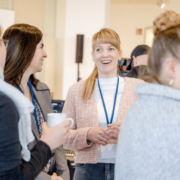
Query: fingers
[56,178]
[102,143]
[114,134]
[118,124]
[54,174]
[62,127]
[66,124]
[104,130]
[103,139]
[105,136]
[113,130]
[116,128]
[112,141]
[105,133]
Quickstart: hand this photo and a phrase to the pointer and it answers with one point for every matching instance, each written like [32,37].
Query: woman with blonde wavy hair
[98,106]
[148,145]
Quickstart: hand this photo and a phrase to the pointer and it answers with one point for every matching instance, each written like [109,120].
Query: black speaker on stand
[79,52]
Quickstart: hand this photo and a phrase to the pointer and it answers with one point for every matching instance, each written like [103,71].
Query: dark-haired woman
[16,161]
[149,146]
[25,56]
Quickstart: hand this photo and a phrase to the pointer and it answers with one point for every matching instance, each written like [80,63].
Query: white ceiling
[138,1]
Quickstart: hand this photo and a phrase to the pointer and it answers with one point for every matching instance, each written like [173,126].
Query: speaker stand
[78,78]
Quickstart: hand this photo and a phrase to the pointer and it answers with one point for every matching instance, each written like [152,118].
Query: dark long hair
[23,39]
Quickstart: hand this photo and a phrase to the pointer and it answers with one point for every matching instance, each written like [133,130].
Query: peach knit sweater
[86,116]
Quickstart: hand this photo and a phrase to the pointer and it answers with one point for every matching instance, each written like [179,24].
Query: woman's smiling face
[106,58]
[37,61]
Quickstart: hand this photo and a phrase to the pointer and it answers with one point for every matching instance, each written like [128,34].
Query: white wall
[125,18]
[8,21]
[6,4]
[60,36]
[30,12]
[54,29]
[41,13]
[82,17]
[49,62]
[49,17]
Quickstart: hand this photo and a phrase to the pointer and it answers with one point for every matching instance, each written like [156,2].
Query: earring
[171,82]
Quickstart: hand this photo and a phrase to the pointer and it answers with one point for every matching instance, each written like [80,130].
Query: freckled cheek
[99,57]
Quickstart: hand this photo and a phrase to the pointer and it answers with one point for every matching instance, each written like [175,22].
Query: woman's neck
[107,75]
[25,79]
[24,84]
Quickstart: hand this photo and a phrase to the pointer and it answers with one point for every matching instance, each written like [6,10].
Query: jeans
[99,171]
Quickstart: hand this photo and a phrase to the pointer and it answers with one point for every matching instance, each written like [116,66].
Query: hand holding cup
[55,136]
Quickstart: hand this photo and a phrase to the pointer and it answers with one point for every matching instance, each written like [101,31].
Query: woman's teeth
[106,62]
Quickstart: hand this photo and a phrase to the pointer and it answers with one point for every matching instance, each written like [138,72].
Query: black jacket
[12,167]
[136,71]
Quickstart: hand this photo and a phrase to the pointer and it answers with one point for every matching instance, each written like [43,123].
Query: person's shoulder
[5,99]
[77,85]
[76,88]
[133,80]
[42,86]
[6,102]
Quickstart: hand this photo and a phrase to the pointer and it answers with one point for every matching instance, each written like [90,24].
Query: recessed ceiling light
[160,3]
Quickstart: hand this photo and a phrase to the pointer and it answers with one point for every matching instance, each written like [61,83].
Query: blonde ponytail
[89,85]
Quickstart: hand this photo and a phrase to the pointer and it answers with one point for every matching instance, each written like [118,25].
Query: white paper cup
[53,119]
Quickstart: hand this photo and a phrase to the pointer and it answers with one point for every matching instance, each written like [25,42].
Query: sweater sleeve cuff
[43,145]
[87,143]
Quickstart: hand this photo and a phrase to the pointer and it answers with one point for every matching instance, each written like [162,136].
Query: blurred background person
[139,57]
[16,161]
[148,145]
[25,56]
[98,106]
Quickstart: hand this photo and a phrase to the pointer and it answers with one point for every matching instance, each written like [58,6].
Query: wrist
[43,139]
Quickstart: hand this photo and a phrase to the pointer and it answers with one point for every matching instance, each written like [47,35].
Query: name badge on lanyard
[33,101]
[109,151]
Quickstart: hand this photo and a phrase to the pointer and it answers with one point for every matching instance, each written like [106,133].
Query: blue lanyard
[33,101]
[113,104]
